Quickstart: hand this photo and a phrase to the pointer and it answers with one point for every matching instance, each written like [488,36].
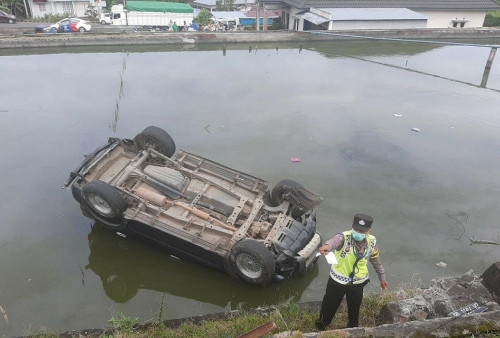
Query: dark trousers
[332,299]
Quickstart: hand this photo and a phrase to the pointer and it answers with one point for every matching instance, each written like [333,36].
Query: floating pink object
[295,159]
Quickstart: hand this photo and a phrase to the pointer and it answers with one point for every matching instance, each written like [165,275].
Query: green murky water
[346,109]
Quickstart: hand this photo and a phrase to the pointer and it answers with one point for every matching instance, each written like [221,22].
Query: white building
[380,14]
[76,8]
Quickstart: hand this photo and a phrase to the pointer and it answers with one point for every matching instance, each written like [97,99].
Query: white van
[105,18]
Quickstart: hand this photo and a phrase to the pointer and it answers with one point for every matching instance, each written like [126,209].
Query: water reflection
[126,266]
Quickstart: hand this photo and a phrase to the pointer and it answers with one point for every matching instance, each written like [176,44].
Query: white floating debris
[398,115]
[441,264]
[415,130]
[5,318]
[330,257]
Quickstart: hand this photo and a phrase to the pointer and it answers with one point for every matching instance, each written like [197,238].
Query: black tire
[104,200]
[103,22]
[82,30]
[157,138]
[252,261]
[280,190]
[77,193]
[226,264]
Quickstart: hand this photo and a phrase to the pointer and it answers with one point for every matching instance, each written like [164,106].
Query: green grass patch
[289,317]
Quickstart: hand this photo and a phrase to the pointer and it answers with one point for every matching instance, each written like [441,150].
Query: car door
[65,26]
[74,25]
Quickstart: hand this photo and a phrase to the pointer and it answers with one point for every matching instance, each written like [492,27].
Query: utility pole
[257,17]
[487,68]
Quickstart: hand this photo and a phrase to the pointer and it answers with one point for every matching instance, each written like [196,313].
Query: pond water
[345,108]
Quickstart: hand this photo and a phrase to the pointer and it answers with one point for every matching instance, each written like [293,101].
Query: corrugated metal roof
[228,15]
[311,17]
[410,4]
[153,6]
[212,2]
[253,13]
[360,14]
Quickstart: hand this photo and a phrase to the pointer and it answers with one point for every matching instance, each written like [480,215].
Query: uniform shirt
[337,242]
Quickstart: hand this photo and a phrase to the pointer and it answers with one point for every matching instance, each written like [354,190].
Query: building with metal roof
[211,4]
[362,14]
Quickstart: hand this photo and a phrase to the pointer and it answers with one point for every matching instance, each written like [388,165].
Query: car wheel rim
[100,204]
[248,265]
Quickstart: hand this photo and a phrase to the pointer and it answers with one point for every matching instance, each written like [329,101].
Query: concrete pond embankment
[466,305]
[129,37]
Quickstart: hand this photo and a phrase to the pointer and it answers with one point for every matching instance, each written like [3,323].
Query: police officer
[353,249]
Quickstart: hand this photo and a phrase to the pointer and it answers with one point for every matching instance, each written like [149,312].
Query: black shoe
[320,326]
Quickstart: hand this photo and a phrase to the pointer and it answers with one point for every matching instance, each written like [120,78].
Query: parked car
[67,25]
[198,209]
[5,17]
[105,18]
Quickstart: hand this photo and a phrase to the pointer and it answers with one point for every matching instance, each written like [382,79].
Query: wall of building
[443,19]
[70,8]
[378,24]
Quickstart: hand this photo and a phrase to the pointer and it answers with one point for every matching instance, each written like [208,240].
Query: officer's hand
[384,285]
[325,249]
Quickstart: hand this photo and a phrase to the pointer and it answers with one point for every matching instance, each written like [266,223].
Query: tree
[204,17]
[224,5]
[15,7]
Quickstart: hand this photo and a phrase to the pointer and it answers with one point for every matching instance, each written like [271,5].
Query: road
[29,28]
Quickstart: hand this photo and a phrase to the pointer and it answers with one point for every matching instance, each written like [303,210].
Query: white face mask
[357,236]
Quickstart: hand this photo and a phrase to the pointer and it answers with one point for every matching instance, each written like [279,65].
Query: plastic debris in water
[415,130]
[441,264]
[295,159]
[398,115]
[5,318]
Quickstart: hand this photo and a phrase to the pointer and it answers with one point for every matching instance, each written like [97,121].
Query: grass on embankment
[286,317]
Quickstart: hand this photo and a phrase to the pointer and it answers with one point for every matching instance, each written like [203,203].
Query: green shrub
[492,19]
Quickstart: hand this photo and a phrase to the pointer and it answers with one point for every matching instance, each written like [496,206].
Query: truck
[151,14]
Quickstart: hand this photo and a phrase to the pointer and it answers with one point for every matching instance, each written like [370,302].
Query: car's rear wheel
[53,30]
[103,22]
[157,139]
[278,194]
[82,30]
[104,200]
[252,261]
[11,21]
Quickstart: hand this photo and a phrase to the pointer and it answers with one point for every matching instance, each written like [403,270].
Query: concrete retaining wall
[146,38]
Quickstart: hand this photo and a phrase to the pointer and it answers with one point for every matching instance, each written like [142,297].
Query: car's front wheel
[82,30]
[11,21]
[156,138]
[104,200]
[252,261]
[103,22]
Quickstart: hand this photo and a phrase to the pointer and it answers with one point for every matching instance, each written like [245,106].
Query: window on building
[459,22]
[41,7]
[68,7]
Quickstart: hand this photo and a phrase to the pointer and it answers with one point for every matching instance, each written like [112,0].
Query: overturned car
[198,209]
